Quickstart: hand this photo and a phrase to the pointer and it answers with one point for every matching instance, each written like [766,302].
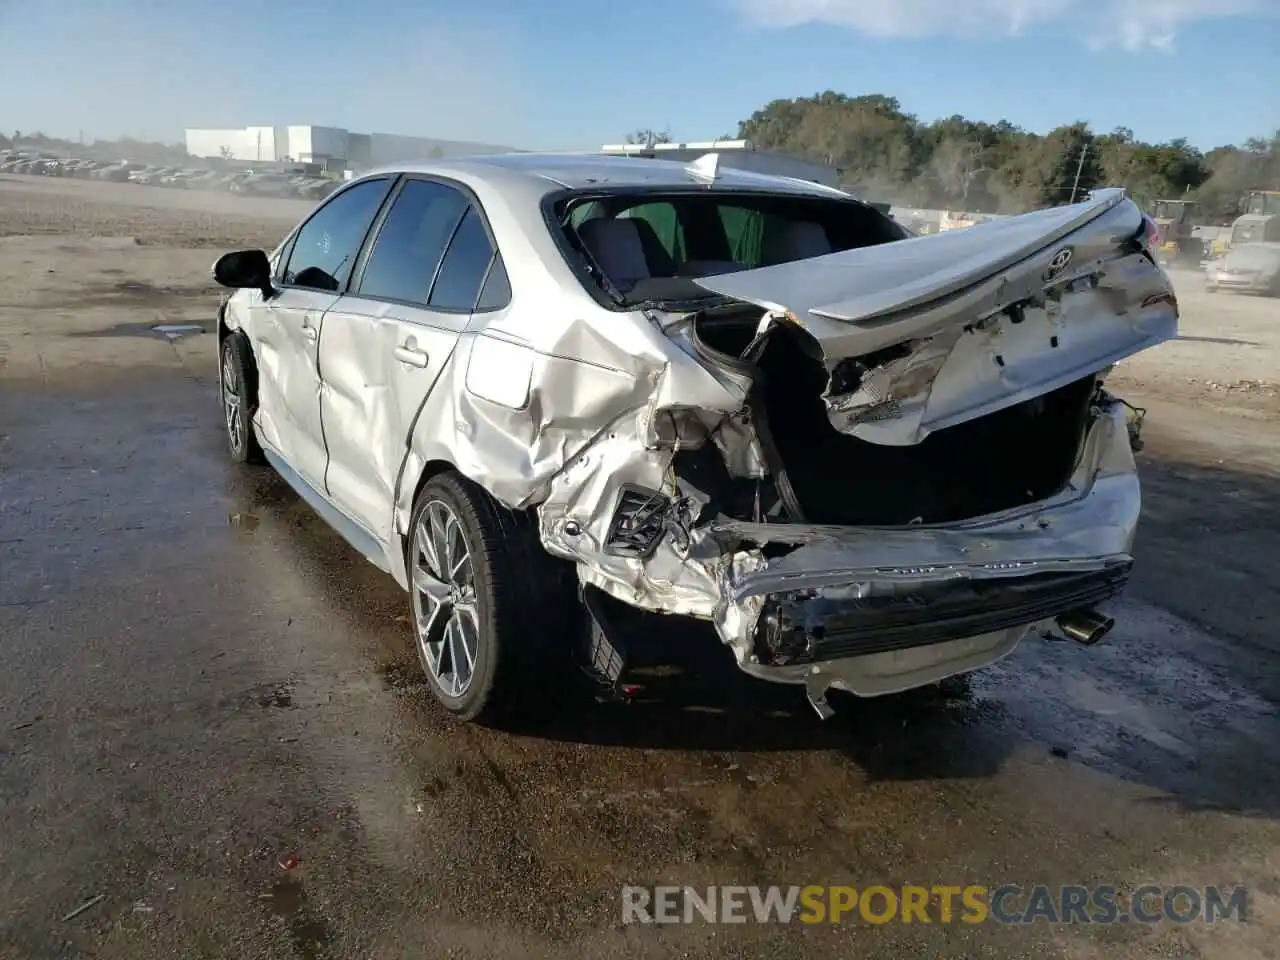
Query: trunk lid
[928,332]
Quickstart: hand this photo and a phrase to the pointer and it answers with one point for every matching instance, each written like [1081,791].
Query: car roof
[550,172]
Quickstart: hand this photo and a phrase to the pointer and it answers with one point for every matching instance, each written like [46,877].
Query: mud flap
[604,654]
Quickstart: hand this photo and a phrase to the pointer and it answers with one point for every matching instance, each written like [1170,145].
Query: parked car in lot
[117,172]
[151,175]
[201,180]
[1246,268]
[266,184]
[315,188]
[545,391]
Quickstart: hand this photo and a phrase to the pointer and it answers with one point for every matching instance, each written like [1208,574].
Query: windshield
[1263,204]
[1164,210]
[649,246]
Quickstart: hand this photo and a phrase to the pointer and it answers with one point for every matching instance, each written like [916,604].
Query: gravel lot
[202,682]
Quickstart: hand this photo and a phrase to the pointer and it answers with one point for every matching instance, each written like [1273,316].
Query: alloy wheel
[231,400]
[444,598]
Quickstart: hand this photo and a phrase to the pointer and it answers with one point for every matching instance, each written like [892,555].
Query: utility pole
[1084,152]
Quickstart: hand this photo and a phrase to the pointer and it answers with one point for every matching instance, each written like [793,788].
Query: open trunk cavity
[1018,455]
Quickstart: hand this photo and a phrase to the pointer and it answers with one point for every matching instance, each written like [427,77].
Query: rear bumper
[802,629]
[865,609]
[880,611]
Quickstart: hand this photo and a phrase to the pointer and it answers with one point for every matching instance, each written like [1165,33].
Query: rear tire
[492,612]
[238,389]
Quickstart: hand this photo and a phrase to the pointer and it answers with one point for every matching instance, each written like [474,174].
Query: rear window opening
[651,246]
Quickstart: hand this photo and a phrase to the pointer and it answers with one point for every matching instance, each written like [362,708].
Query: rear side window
[412,241]
[325,249]
[463,269]
[496,293]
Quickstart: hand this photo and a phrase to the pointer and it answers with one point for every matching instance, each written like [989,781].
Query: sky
[575,74]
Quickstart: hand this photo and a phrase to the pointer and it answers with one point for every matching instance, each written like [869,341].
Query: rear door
[386,342]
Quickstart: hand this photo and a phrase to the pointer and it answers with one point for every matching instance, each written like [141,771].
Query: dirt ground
[202,682]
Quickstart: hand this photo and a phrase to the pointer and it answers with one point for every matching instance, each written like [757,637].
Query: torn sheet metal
[686,567]
[888,280]
[983,318]
[715,568]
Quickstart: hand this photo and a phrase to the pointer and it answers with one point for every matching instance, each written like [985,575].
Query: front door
[287,336]
[386,343]
[314,268]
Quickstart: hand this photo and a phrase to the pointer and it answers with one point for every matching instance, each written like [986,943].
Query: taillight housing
[638,523]
[1150,236]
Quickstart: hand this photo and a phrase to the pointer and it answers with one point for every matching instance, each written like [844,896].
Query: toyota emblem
[1061,260]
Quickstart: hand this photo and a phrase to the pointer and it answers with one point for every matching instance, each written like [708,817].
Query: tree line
[885,153]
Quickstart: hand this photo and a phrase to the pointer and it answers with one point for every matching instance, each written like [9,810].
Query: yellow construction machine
[1176,221]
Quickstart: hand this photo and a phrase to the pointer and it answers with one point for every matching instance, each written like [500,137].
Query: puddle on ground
[165,331]
[175,331]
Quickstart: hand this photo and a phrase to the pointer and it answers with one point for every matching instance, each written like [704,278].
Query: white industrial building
[739,154]
[332,146]
[340,149]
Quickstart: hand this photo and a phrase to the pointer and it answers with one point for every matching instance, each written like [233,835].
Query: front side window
[411,243]
[326,246]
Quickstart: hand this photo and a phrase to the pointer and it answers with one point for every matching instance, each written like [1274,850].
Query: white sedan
[548,392]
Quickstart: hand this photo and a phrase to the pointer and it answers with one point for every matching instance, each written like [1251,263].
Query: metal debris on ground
[245,521]
[87,905]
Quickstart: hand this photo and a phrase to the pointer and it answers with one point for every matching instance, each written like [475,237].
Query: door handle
[308,331]
[409,353]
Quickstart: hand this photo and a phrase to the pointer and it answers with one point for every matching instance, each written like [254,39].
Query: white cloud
[1133,24]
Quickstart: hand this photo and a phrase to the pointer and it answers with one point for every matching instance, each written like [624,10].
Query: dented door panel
[285,333]
[379,362]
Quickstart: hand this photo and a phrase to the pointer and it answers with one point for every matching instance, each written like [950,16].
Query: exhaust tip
[1086,627]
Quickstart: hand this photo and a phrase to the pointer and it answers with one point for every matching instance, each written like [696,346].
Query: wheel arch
[430,470]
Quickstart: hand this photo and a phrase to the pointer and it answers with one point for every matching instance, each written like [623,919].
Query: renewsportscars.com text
[971,904]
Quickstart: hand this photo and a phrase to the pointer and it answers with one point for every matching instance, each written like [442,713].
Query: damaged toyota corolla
[539,390]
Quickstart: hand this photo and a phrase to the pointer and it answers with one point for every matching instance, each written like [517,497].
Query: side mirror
[245,270]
